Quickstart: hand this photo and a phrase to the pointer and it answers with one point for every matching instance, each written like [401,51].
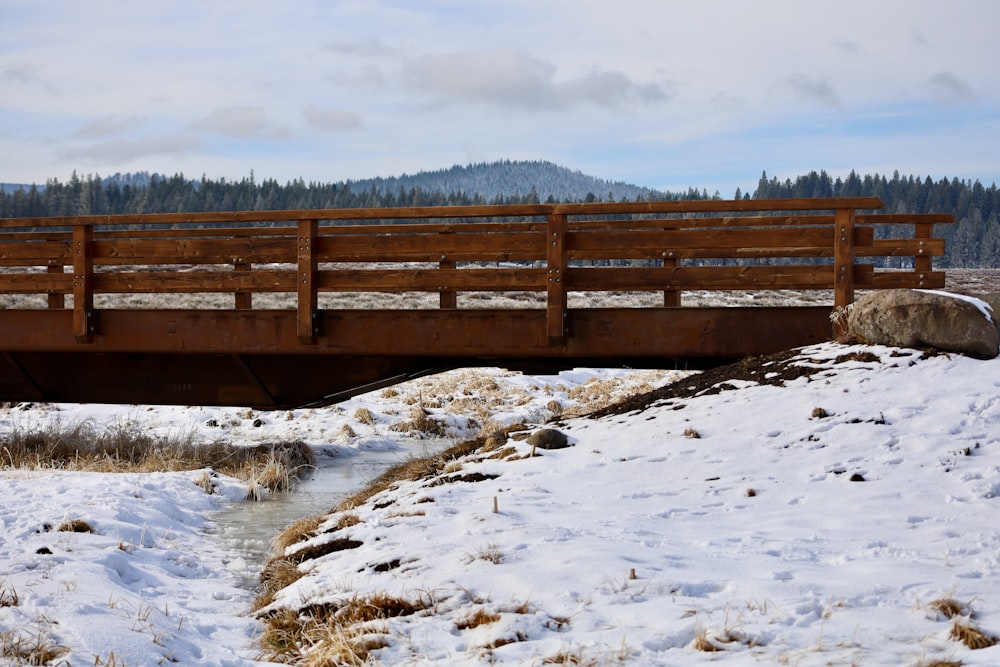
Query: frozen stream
[250,526]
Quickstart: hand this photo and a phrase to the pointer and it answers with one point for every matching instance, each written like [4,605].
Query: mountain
[507,178]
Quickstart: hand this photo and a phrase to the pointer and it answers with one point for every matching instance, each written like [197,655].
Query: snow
[625,548]
[985,308]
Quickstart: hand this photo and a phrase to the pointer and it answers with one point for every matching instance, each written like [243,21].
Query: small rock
[548,438]
[857,477]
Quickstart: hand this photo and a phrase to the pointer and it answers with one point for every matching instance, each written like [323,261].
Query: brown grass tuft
[364,415]
[691,433]
[9,596]
[300,531]
[477,618]
[702,643]
[490,553]
[951,608]
[278,573]
[971,636]
[30,647]
[333,634]
[75,526]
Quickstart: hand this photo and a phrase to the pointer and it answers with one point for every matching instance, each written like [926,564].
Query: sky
[657,93]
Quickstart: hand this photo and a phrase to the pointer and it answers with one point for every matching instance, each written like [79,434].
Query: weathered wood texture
[246,355]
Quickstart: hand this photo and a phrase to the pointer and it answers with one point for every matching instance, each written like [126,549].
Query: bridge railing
[548,249]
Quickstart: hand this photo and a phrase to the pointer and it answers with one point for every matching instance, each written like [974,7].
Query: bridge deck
[132,350]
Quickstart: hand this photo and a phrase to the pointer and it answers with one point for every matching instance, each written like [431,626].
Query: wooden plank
[38,252]
[904,219]
[243,299]
[909,280]
[713,206]
[444,212]
[194,251]
[723,222]
[56,299]
[555,278]
[681,239]
[448,298]
[843,257]
[695,278]
[35,283]
[433,280]
[186,282]
[84,318]
[230,217]
[430,247]
[903,248]
[922,258]
[306,283]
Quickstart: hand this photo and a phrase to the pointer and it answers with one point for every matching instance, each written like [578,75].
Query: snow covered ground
[820,522]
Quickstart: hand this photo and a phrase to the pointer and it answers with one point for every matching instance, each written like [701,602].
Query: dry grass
[951,608]
[33,647]
[299,531]
[277,574]
[490,553]
[971,636]
[130,447]
[343,633]
[9,596]
[477,618]
[365,416]
[75,526]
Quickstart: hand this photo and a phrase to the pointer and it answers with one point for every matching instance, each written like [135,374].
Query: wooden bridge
[275,309]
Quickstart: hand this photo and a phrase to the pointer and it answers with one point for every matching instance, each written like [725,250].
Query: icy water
[250,526]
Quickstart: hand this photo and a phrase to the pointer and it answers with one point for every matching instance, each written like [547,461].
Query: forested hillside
[973,242]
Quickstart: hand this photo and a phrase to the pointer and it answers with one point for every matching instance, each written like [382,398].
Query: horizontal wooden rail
[550,249]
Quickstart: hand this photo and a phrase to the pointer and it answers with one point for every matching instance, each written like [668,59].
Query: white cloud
[947,87]
[122,151]
[240,122]
[516,79]
[331,119]
[814,89]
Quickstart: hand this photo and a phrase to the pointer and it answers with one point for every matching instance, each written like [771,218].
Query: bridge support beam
[255,358]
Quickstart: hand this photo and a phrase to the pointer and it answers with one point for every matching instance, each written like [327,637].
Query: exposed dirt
[772,369]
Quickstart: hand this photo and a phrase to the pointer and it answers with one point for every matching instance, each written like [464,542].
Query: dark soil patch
[319,550]
[770,369]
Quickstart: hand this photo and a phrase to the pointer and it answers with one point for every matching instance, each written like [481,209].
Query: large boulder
[917,318]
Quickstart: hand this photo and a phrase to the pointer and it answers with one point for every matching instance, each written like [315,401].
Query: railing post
[56,300]
[448,299]
[84,317]
[244,299]
[307,322]
[922,263]
[555,316]
[843,268]
[671,297]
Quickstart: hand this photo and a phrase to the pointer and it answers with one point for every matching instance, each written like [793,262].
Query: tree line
[973,242]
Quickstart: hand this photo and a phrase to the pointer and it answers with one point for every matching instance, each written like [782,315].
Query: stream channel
[249,527]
